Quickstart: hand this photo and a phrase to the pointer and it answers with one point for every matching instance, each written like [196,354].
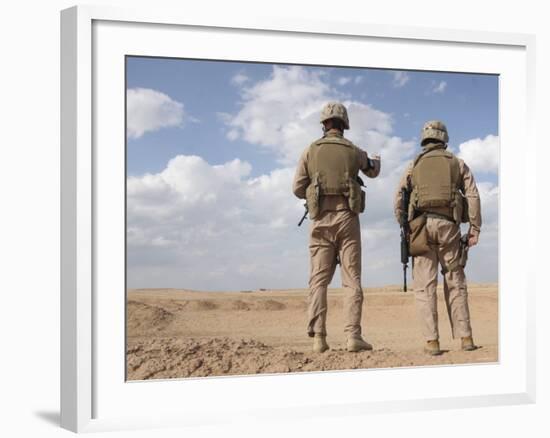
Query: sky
[212,148]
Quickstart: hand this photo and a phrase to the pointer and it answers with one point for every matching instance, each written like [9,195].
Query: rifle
[405,233]
[305,214]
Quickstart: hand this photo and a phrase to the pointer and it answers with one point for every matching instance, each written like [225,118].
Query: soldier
[443,194]
[327,176]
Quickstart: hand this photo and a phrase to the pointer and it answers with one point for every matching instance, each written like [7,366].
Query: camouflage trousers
[444,240]
[335,233]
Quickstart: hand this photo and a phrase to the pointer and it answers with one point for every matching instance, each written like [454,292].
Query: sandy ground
[175,333]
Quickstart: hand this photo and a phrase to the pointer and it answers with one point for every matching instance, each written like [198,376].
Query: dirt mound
[178,334]
[176,306]
[204,305]
[144,318]
[174,357]
[240,305]
[271,305]
[163,358]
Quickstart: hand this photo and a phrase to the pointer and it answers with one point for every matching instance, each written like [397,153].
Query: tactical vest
[435,181]
[333,166]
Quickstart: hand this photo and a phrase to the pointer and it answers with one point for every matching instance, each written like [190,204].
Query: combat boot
[320,343]
[468,343]
[432,348]
[357,343]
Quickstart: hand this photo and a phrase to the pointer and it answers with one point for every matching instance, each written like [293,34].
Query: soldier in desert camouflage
[443,193]
[327,177]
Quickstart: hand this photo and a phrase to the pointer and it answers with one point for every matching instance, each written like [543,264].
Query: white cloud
[358,79]
[232,135]
[190,209]
[239,79]
[489,193]
[400,78]
[198,225]
[149,110]
[281,114]
[439,87]
[483,258]
[202,226]
[481,155]
[344,80]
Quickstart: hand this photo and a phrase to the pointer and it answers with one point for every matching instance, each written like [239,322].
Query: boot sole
[355,350]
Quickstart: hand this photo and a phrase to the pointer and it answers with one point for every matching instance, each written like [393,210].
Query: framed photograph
[185,295]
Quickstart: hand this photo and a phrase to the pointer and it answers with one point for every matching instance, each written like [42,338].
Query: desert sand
[174,333]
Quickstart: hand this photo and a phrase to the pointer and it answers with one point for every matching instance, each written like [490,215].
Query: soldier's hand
[472,240]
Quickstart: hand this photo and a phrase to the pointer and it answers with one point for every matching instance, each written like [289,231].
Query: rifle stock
[305,214]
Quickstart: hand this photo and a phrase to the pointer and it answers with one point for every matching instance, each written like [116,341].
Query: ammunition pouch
[418,241]
[356,196]
[349,187]
[312,200]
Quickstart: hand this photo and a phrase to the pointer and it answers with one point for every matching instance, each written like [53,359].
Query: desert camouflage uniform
[444,240]
[335,232]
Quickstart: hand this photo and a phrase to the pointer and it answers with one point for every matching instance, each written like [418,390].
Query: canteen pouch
[418,241]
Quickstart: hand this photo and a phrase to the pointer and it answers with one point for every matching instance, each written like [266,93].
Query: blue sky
[246,124]
[468,105]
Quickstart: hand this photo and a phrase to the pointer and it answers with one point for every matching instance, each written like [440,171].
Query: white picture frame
[92,392]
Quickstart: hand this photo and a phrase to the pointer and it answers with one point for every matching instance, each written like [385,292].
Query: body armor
[435,181]
[333,166]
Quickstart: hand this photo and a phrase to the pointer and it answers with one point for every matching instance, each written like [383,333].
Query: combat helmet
[434,130]
[335,110]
